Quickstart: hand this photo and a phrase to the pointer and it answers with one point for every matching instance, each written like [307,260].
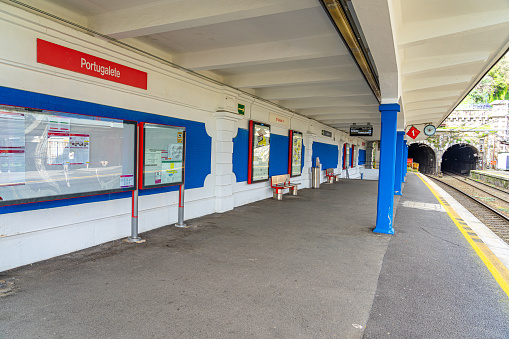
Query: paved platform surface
[432,283]
[308,266]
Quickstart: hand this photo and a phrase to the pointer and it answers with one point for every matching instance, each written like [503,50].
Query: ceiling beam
[430,82]
[339,110]
[425,64]
[314,47]
[353,101]
[419,31]
[164,16]
[290,77]
[313,91]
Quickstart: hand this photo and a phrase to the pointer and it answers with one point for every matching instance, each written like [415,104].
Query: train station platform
[494,177]
[308,266]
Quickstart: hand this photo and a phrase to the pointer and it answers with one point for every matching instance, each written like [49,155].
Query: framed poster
[295,154]
[259,152]
[50,155]
[162,155]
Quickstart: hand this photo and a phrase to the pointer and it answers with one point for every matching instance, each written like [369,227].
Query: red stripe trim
[250,156]
[290,152]
[141,129]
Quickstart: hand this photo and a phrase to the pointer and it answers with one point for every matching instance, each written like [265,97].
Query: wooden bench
[331,177]
[279,182]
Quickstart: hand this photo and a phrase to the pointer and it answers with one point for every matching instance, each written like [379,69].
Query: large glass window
[47,155]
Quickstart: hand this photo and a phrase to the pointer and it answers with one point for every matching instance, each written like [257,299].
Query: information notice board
[259,151]
[162,155]
[295,153]
[48,155]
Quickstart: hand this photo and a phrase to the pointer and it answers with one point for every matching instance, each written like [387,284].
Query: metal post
[134,218]
[134,206]
[180,222]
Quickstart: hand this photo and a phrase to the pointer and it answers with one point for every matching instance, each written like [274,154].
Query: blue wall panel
[362,157]
[198,143]
[328,155]
[278,161]
[241,154]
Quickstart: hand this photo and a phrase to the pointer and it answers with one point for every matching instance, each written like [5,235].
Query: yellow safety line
[494,265]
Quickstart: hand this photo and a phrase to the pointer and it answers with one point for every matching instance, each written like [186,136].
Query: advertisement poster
[153,158]
[58,149]
[58,125]
[296,153]
[12,149]
[261,152]
[126,181]
[79,152]
[176,152]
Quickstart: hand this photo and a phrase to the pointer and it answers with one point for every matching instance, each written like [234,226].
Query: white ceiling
[428,54]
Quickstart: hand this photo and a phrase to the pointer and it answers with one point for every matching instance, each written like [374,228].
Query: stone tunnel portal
[424,156]
[459,158]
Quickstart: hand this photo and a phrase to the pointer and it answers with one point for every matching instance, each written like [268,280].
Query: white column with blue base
[385,203]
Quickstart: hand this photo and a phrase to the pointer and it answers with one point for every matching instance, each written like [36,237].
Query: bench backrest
[279,179]
[329,171]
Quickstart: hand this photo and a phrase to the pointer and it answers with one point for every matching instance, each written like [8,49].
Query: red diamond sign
[413,132]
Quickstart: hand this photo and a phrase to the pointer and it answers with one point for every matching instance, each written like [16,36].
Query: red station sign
[413,132]
[62,57]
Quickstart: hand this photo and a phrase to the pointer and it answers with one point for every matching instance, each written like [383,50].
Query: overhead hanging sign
[66,58]
[361,130]
[413,132]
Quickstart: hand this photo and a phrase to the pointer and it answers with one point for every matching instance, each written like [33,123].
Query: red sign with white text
[413,132]
[62,57]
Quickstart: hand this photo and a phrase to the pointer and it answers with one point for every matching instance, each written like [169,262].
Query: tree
[493,86]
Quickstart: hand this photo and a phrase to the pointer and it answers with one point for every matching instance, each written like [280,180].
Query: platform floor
[308,266]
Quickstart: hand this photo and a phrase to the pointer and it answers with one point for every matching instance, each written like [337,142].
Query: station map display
[163,155]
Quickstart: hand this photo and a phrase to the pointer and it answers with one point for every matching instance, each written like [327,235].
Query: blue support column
[405,149]
[398,178]
[387,169]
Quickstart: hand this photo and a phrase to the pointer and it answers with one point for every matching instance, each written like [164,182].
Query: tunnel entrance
[459,158]
[424,156]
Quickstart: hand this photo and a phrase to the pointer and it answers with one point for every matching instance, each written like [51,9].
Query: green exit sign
[242,109]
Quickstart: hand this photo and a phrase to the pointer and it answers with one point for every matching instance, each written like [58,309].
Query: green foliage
[493,86]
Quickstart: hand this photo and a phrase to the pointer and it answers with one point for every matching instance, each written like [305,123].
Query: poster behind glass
[48,155]
[296,154]
[261,151]
[163,155]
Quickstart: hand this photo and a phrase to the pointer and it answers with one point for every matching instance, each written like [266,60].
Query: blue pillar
[405,158]
[387,169]
[398,177]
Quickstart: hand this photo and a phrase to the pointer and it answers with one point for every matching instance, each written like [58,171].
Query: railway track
[488,204]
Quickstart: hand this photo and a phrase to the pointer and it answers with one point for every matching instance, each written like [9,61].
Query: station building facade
[216,146]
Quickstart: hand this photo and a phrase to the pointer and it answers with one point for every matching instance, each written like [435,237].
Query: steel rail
[471,197]
[480,189]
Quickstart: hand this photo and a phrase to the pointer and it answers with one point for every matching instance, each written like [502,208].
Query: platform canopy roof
[425,55]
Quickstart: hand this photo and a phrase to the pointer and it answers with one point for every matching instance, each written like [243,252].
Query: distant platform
[497,178]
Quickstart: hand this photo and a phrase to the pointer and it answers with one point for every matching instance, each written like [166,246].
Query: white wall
[30,236]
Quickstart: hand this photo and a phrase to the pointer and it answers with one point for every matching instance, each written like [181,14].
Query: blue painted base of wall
[198,143]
